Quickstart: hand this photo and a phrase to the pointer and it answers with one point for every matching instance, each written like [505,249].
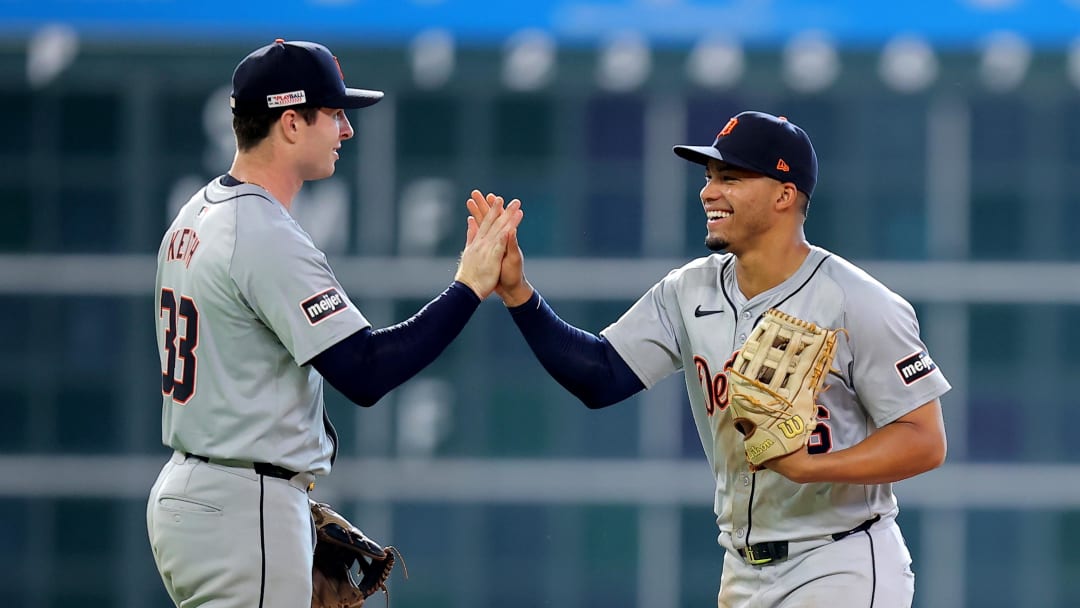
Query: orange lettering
[182,242]
[191,250]
[172,246]
[728,127]
[783,166]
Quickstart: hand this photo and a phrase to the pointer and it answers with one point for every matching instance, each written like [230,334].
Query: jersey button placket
[740,500]
[742,326]
[741,479]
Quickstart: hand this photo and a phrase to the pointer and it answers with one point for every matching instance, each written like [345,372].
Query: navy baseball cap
[762,143]
[292,73]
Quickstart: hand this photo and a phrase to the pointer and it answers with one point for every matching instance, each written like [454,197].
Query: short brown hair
[804,203]
[251,129]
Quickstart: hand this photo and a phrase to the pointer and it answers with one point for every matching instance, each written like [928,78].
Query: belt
[767,553]
[262,468]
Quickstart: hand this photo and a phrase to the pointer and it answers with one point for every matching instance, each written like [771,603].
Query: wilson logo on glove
[793,427]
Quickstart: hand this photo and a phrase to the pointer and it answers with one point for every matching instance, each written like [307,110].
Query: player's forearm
[897,451]
[367,365]
[584,364]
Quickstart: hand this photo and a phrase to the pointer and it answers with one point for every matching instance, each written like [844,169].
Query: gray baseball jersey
[245,300]
[696,318]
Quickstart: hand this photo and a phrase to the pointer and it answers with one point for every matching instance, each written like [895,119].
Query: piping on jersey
[237,196]
[723,289]
[873,567]
[262,539]
[750,507]
[734,333]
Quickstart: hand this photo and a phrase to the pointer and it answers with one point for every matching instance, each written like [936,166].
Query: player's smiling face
[324,137]
[737,206]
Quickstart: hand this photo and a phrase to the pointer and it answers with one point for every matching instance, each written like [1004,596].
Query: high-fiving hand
[485,246]
[512,286]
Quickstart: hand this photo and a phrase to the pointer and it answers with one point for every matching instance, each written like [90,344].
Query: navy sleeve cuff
[586,365]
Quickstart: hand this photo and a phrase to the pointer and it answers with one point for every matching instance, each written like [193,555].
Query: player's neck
[760,269]
[253,168]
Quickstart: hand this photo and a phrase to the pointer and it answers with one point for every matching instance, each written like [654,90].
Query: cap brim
[698,154]
[703,154]
[361,98]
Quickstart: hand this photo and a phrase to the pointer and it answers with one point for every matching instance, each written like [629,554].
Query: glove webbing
[780,354]
[391,554]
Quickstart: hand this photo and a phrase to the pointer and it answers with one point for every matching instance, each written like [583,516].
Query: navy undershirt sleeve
[368,364]
[585,364]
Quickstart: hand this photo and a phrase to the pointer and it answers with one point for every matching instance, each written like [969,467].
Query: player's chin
[323,172]
[716,243]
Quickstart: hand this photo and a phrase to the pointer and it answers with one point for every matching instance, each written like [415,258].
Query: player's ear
[787,196]
[290,129]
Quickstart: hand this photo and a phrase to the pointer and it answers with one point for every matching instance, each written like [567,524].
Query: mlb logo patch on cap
[292,98]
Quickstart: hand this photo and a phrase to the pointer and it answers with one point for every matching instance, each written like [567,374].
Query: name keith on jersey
[182,245]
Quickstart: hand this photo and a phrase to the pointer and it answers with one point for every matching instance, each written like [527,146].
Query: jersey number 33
[180,344]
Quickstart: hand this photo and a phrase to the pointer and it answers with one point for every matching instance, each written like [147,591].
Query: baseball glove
[339,544]
[773,384]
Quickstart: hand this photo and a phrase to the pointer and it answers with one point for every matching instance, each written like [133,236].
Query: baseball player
[816,527]
[250,320]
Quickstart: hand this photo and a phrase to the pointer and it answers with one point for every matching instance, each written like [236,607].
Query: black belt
[262,468]
[766,553]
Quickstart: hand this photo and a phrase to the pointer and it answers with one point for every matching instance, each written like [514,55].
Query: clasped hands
[492,259]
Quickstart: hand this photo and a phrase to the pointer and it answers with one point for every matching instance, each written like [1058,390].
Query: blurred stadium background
[949,140]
